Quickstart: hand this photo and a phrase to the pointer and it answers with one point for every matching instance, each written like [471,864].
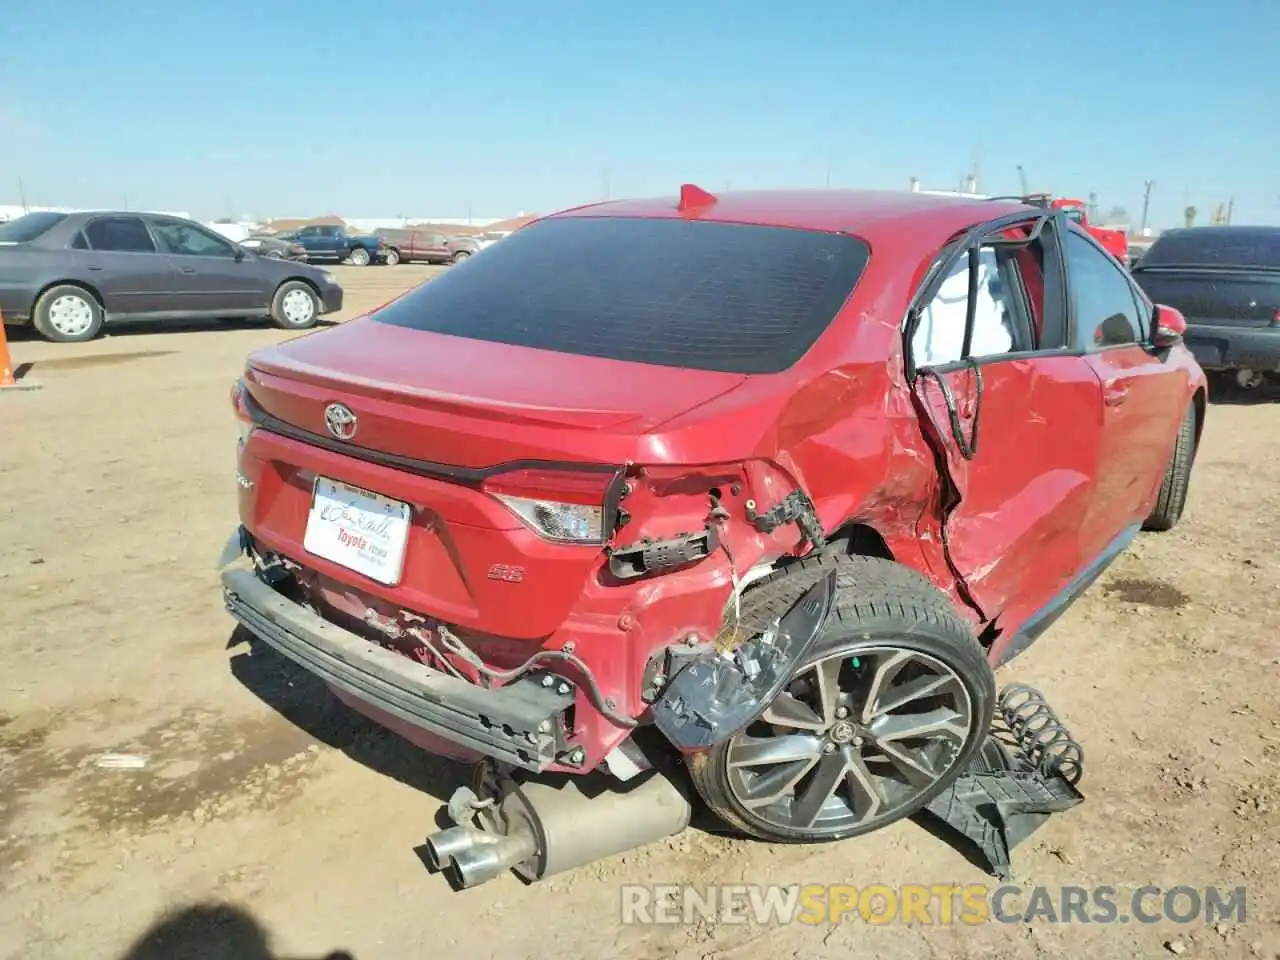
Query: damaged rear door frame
[953,420]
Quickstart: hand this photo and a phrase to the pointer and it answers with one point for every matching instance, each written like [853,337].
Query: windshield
[1256,247]
[698,295]
[26,228]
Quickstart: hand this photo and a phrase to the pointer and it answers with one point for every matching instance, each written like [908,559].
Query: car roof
[867,213]
[1222,230]
[84,214]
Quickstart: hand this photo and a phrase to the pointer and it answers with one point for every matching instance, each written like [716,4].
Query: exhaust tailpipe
[485,861]
[442,847]
[540,828]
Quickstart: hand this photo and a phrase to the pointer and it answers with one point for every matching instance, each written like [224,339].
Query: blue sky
[490,107]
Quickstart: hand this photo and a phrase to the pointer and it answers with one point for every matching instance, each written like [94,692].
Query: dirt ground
[287,820]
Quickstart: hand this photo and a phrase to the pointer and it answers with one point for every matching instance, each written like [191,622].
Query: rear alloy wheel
[884,715]
[295,306]
[359,257]
[392,257]
[68,314]
[1177,477]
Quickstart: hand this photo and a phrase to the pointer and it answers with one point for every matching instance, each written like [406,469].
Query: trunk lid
[472,403]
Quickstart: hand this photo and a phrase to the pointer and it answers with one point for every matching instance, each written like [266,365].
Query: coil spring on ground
[1040,735]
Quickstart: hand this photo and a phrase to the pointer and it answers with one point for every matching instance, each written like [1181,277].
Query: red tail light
[240,406]
[567,506]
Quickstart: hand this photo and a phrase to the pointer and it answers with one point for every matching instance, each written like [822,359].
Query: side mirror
[241,253]
[1168,326]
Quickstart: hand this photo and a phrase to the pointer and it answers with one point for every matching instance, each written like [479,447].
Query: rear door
[1143,396]
[214,278]
[124,262]
[1016,416]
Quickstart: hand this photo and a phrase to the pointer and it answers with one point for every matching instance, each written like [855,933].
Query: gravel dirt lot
[291,821]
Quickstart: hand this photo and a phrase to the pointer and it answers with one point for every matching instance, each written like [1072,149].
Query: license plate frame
[375,540]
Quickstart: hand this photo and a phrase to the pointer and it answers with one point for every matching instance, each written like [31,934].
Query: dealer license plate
[363,531]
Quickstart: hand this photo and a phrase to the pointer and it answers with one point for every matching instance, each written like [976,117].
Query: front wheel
[359,257]
[295,306]
[460,256]
[888,710]
[392,257]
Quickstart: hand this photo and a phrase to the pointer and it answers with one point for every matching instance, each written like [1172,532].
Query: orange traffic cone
[8,381]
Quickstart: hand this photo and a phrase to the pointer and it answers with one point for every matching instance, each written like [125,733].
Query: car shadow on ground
[306,702]
[210,931]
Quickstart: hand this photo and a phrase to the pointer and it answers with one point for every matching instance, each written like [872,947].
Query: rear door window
[698,295]
[120,234]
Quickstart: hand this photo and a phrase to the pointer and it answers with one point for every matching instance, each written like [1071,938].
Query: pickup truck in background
[329,244]
[426,246]
[1226,282]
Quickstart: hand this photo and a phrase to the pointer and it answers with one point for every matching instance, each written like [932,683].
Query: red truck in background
[1115,242]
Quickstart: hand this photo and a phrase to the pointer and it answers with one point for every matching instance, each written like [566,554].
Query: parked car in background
[277,248]
[624,472]
[425,246]
[1226,281]
[68,274]
[330,244]
[490,237]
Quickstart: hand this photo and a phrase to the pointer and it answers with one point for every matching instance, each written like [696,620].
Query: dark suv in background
[68,274]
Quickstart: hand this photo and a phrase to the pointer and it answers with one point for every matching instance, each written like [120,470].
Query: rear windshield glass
[29,226]
[1213,247]
[700,295]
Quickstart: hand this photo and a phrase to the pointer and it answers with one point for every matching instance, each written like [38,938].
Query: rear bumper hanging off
[518,723]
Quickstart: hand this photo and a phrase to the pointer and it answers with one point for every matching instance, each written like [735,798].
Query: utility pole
[828,174]
[1022,179]
[1146,205]
[22,196]
[1231,204]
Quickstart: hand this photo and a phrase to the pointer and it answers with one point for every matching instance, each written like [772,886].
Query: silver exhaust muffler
[539,828]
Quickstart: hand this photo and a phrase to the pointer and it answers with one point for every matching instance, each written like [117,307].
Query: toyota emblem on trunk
[340,421]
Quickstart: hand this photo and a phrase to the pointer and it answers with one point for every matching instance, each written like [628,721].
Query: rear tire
[68,314]
[358,257]
[1177,478]
[295,306]
[833,756]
